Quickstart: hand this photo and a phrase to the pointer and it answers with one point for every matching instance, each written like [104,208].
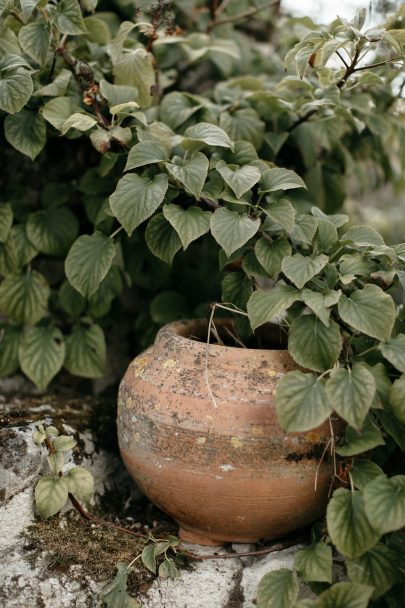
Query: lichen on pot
[219,464]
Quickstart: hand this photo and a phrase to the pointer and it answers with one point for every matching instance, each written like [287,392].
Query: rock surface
[63,563]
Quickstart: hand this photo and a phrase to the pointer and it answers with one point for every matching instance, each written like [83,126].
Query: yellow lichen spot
[140,364]
[272,373]
[136,437]
[313,437]
[201,440]
[128,403]
[257,430]
[236,442]
[170,363]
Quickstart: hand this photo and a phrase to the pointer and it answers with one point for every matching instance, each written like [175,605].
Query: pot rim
[176,333]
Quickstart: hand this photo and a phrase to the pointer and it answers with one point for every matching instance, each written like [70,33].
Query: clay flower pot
[225,471]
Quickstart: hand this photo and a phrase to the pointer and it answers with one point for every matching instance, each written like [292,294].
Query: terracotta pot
[225,471]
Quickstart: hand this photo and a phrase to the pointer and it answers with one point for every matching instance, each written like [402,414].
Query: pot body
[220,465]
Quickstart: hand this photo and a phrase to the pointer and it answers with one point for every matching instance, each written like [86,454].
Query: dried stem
[234,18]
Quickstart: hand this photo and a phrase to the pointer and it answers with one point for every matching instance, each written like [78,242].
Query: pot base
[198,537]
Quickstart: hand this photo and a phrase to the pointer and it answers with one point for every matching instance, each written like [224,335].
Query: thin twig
[272,549]
[207,382]
[234,337]
[342,59]
[234,18]
[319,464]
[378,64]
[14,14]
[103,522]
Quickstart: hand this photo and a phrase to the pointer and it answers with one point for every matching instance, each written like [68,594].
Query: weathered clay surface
[221,466]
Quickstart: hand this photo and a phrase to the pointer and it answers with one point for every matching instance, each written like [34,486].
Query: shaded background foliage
[342,151]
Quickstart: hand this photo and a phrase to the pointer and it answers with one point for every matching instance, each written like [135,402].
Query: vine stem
[114,234]
[245,15]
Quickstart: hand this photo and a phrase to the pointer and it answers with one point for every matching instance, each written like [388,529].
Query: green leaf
[363,236]
[300,268]
[86,351]
[358,442]
[271,254]
[26,132]
[168,306]
[24,248]
[6,221]
[190,223]
[348,524]
[370,311]
[34,39]
[56,462]
[240,179]
[283,213]
[252,267]
[149,558]
[16,88]
[168,569]
[280,179]
[162,239]
[57,87]
[51,431]
[8,257]
[145,153]
[177,107]
[362,471]
[319,303]
[53,231]
[236,288]
[345,595]
[27,7]
[58,110]
[377,568]
[397,398]
[115,594]
[24,297]
[351,393]
[41,354]
[64,443]
[80,121]
[135,69]
[304,229]
[68,18]
[314,563]
[313,345]
[384,500]
[191,172]
[243,124]
[39,436]
[205,133]
[81,483]
[117,94]
[278,589]
[110,287]
[327,235]
[137,198]
[301,403]
[51,494]
[9,343]
[264,307]
[394,352]
[232,230]
[88,262]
